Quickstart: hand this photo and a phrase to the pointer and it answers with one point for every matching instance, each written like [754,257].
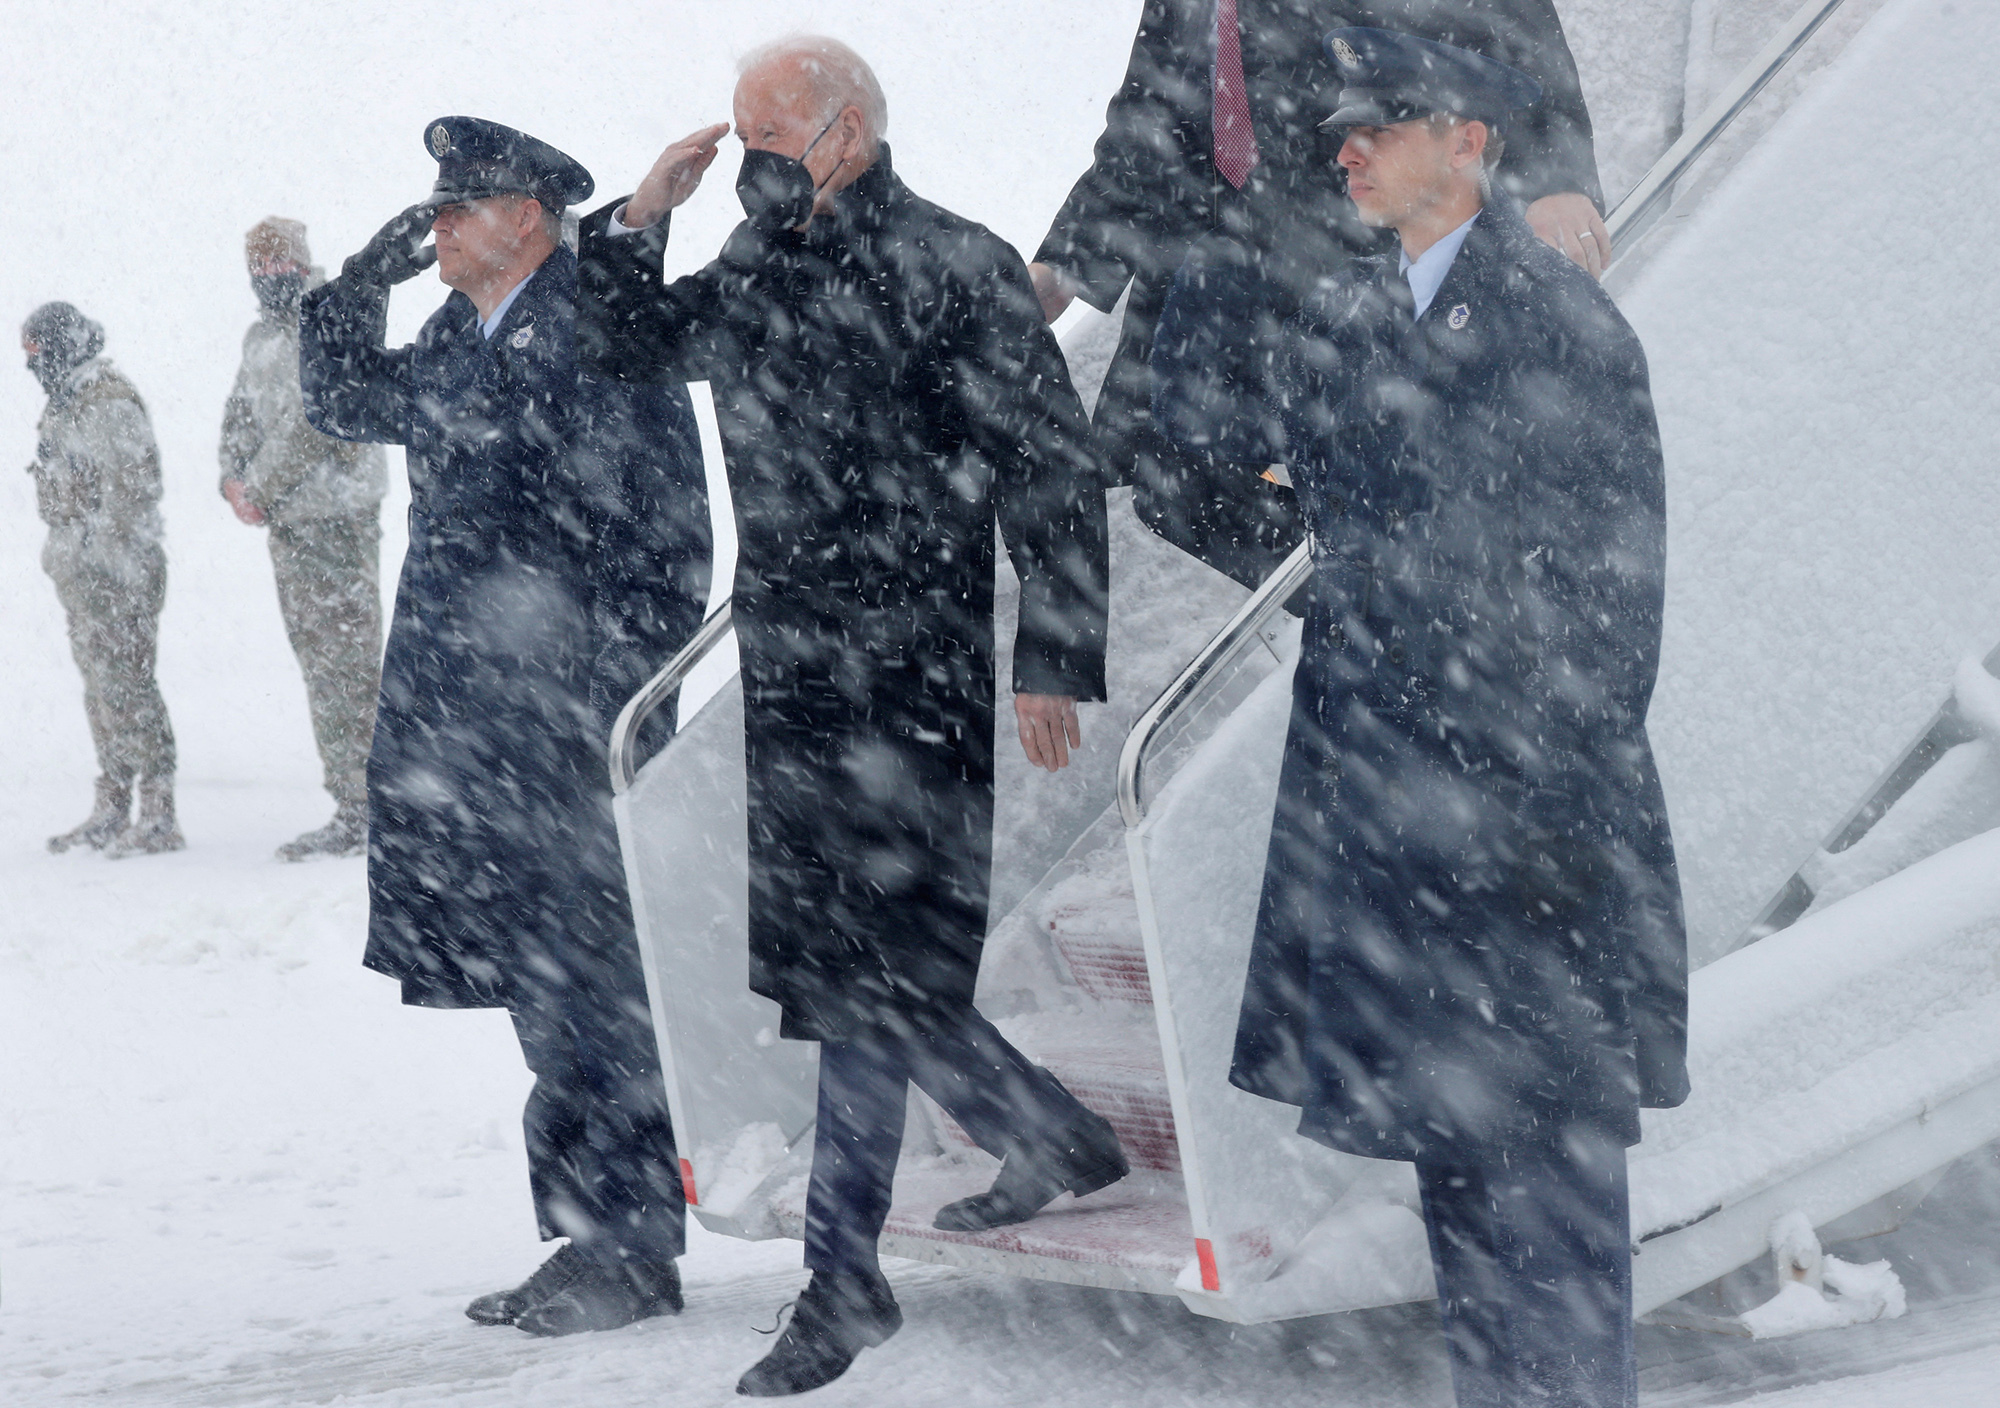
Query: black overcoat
[1470,933]
[1152,191]
[885,388]
[558,532]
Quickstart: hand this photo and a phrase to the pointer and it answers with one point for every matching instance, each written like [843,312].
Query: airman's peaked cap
[477,158]
[1387,77]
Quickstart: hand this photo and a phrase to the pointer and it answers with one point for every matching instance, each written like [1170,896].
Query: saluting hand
[1569,222]
[673,178]
[398,252]
[1048,728]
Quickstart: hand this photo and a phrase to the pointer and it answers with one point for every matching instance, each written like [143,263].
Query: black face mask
[778,191]
[279,294]
[48,371]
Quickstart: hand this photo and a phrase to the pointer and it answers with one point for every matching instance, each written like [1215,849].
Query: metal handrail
[656,691]
[1243,630]
[1622,224]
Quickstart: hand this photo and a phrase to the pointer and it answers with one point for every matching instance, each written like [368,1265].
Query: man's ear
[1471,146]
[853,130]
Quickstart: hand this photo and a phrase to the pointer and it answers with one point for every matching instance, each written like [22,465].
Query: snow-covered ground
[232,1169]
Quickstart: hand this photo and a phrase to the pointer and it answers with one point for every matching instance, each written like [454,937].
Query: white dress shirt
[1426,272]
[487,326]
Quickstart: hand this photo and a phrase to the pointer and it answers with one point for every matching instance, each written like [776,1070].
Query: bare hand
[1048,728]
[1049,288]
[239,499]
[674,177]
[1569,222]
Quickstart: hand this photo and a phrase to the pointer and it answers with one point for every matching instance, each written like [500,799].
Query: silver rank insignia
[1344,52]
[522,338]
[440,141]
[1458,317]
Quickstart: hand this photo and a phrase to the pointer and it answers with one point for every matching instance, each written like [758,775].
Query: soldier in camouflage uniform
[97,485]
[321,499]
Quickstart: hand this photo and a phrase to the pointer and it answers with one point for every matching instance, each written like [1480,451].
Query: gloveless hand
[239,500]
[1570,222]
[675,176]
[1051,291]
[1048,728]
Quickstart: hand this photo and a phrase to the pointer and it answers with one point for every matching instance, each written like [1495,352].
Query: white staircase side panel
[1829,1031]
[1833,1063]
[737,1093]
[1823,368]
[1254,1187]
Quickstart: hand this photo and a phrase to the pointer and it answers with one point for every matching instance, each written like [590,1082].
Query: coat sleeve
[1023,418]
[1214,354]
[631,326]
[650,538]
[1143,192]
[1592,536]
[238,445]
[353,387]
[1549,147]
[114,451]
[290,450]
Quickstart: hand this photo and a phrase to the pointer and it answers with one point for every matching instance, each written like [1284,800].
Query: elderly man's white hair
[840,78]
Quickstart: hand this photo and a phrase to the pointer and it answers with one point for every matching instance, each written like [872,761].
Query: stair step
[1134,1235]
[1128,1088]
[1092,919]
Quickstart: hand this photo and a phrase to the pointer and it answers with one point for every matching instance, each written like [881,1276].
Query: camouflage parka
[97,477]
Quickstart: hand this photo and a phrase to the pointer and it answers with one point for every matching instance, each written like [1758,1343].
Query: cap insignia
[522,338]
[440,141]
[1344,52]
[1458,317]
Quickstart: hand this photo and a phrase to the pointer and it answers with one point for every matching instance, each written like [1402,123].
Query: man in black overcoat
[1213,139]
[886,388]
[559,550]
[1469,950]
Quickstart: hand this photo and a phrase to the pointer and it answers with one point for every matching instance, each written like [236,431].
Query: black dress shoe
[606,1296]
[505,1307]
[833,1320]
[1032,1179]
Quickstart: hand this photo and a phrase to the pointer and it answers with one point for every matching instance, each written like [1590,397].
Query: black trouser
[1534,1273]
[601,1157]
[1002,1100]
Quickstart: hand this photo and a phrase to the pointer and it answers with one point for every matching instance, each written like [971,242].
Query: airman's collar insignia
[1344,53]
[440,141]
[523,337]
[1458,317]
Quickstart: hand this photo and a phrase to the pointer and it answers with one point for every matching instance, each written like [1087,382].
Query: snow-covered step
[1134,1235]
[1092,922]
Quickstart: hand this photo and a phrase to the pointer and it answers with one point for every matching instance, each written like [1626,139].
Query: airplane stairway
[1846,1022]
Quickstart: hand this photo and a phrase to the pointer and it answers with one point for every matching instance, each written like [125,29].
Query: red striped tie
[1235,139]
